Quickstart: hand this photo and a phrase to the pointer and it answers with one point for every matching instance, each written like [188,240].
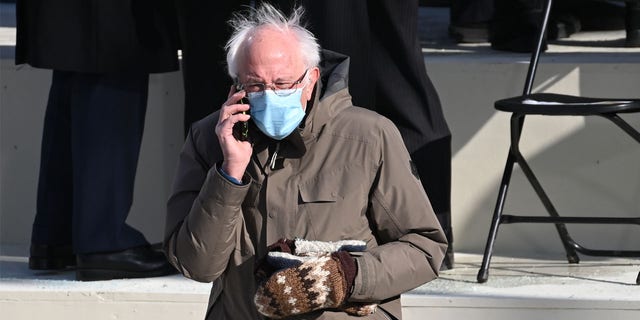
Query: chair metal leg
[567,241]
[517,122]
[483,273]
[625,126]
[638,278]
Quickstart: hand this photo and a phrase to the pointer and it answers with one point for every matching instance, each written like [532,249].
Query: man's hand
[286,258]
[319,282]
[236,153]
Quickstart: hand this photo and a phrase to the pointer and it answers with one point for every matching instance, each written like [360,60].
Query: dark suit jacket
[388,73]
[97,36]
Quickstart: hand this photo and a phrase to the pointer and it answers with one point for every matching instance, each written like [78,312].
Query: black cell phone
[241,128]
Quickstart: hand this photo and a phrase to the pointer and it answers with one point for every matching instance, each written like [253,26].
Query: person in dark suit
[387,74]
[101,54]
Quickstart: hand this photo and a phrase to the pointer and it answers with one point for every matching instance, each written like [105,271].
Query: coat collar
[330,96]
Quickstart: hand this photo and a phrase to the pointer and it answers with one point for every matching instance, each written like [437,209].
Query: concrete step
[25,295]
[518,288]
[526,288]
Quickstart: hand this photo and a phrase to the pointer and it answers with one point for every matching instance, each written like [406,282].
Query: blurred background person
[387,74]
[101,54]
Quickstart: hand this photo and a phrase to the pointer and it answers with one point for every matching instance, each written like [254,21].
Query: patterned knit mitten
[317,283]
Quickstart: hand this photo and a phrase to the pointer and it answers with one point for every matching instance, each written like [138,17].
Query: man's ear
[314,75]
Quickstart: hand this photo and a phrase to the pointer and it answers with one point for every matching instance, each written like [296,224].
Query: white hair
[245,25]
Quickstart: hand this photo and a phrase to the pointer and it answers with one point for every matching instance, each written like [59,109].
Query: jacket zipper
[272,163]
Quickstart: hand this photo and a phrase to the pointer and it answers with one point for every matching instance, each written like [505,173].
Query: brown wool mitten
[319,282]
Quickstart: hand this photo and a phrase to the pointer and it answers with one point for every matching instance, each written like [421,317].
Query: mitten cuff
[315,248]
[282,245]
[349,269]
[263,269]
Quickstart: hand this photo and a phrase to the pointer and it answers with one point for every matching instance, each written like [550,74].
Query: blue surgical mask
[276,115]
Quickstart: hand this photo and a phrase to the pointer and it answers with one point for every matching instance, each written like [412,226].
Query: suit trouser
[91,141]
[469,12]
[433,162]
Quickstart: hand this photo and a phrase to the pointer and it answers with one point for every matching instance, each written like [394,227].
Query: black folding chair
[551,104]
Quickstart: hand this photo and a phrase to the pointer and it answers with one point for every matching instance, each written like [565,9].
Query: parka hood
[331,94]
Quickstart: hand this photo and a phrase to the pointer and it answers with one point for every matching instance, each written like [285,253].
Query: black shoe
[138,262]
[471,33]
[48,257]
[563,26]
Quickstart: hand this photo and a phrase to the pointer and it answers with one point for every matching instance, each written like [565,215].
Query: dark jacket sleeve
[97,36]
[412,243]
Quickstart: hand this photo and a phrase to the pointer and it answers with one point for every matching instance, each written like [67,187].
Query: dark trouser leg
[632,24]
[469,20]
[515,25]
[434,166]
[107,122]
[52,223]
[412,102]
[466,12]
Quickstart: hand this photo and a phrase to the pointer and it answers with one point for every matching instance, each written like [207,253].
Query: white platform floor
[592,278]
[517,287]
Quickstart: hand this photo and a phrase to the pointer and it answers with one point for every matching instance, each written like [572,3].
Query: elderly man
[298,204]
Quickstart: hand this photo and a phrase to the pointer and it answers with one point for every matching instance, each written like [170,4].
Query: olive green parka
[344,174]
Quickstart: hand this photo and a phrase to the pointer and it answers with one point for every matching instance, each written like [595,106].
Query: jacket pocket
[332,205]
[315,204]
[318,193]
[325,214]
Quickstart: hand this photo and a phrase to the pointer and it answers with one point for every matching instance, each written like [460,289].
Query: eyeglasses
[280,88]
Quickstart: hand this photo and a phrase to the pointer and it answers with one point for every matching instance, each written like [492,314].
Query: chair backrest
[535,55]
